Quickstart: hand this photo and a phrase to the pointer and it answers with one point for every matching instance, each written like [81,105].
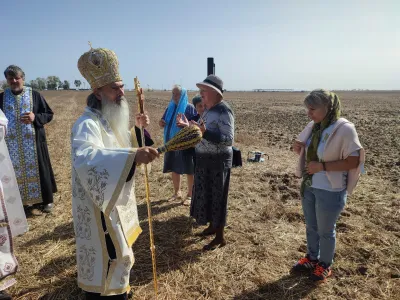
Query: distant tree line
[49,83]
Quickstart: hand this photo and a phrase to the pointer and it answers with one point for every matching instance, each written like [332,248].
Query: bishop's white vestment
[103,205]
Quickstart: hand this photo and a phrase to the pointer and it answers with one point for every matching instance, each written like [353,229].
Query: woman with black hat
[213,162]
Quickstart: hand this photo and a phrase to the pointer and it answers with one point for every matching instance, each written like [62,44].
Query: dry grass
[265,234]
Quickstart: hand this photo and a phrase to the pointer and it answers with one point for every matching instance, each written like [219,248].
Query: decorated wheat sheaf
[186,138]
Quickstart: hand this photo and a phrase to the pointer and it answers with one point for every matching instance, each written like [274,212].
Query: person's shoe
[47,208]
[214,245]
[305,264]
[5,296]
[207,232]
[321,273]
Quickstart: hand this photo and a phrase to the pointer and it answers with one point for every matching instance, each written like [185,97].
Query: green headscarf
[331,117]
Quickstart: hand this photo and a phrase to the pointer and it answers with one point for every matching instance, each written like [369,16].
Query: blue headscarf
[170,129]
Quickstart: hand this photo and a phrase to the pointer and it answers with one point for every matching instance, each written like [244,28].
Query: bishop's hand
[145,155]
[142,120]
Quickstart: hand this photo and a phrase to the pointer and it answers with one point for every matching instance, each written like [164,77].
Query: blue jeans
[321,210]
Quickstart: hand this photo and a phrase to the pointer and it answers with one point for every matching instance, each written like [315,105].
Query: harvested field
[266,231]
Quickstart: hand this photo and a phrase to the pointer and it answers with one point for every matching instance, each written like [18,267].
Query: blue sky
[256,44]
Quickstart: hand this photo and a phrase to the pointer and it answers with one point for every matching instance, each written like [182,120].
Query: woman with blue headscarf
[178,162]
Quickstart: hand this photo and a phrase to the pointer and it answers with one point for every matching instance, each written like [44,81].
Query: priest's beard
[117,116]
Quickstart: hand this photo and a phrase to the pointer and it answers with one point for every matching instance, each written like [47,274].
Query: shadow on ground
[288,287]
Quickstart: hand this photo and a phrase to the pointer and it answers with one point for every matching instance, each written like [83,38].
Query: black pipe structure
[210,66]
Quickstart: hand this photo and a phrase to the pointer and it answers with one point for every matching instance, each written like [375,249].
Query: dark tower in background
[210,66]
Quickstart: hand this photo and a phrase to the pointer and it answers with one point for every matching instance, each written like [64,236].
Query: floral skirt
[210,196]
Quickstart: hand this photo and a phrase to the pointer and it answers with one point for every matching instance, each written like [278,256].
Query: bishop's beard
[117,115]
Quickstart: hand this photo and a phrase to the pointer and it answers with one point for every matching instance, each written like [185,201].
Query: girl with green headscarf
[331,158]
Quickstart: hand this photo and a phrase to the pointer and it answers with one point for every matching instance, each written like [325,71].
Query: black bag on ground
[237,158]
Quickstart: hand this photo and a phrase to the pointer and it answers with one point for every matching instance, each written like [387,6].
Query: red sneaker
[321,273]
[305,264]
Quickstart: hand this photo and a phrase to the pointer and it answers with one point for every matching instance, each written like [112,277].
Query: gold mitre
[99,67]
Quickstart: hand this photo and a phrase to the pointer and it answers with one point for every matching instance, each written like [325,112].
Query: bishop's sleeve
[102,171]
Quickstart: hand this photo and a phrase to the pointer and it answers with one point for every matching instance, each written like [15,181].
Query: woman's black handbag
[237,158]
